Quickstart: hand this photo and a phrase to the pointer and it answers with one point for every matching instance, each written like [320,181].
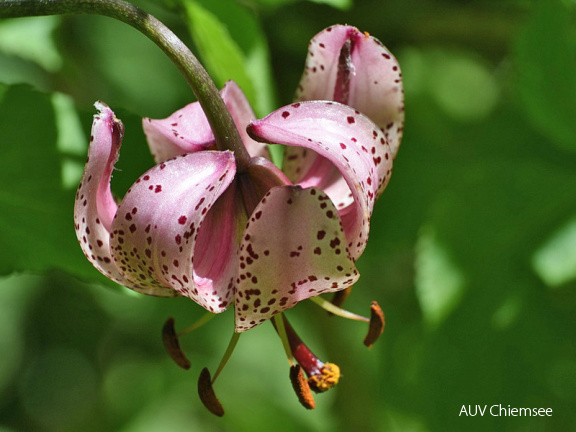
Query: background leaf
[232,45]
[35,211]
[546,68]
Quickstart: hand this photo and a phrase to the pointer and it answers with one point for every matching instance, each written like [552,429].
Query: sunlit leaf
[71,140]
[339,4]
[439,282]
[222,56]
[36,227]
[555,260]
[31,39]
[232,45]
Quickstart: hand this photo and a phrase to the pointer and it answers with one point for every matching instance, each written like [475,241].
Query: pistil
[321,376]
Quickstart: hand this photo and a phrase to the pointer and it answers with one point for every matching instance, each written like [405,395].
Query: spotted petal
[351,67]
[156,229]
[188,130]
[95,207]
[353,164]
[294,248]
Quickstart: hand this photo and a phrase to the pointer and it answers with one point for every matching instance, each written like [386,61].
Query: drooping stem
[225,132]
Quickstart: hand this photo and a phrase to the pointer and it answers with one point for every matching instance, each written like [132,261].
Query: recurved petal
[95,207]
[353,68]
[155,231]
[188,131]
[352,159]
[294,248]
[242,114]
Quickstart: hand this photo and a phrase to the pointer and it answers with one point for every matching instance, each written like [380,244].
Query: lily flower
[199,224]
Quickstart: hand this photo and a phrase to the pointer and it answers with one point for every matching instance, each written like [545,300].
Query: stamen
[377,323]
[340,297]
[332,308]
[172,344]
[376,320]
[203,320]
[301,387]
[321,376]
[205,382]
[207,395]
[227,354]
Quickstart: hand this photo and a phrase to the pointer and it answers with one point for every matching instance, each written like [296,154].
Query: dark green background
[472,252]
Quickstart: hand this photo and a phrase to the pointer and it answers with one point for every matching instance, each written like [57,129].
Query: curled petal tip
[207,395]
[100,106]
[377,322]
[301,387]
[172,344]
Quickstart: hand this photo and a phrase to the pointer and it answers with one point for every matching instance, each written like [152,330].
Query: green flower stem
[225,132]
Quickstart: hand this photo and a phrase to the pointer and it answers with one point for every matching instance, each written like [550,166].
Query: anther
[301,387]
[172,344]
[340,297]
[377,323]
[207,395]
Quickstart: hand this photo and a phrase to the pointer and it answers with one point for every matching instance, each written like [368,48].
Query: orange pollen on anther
[377,323]
[366,34]
[327,378]
[301,387]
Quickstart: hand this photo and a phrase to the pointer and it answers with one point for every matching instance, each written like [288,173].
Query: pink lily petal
[242,114]
[95,207]
[353,164]
[293,248]
[353,68]
[159,223]
[188,130]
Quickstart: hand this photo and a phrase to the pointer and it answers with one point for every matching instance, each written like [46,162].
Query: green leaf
[233,46]
[223,57]
[36,223]
[339,4]
[546,67]
[31,39]
[439,283]
[555,260]
[35,214]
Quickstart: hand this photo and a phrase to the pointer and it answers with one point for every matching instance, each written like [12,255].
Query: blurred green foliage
[472,252]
